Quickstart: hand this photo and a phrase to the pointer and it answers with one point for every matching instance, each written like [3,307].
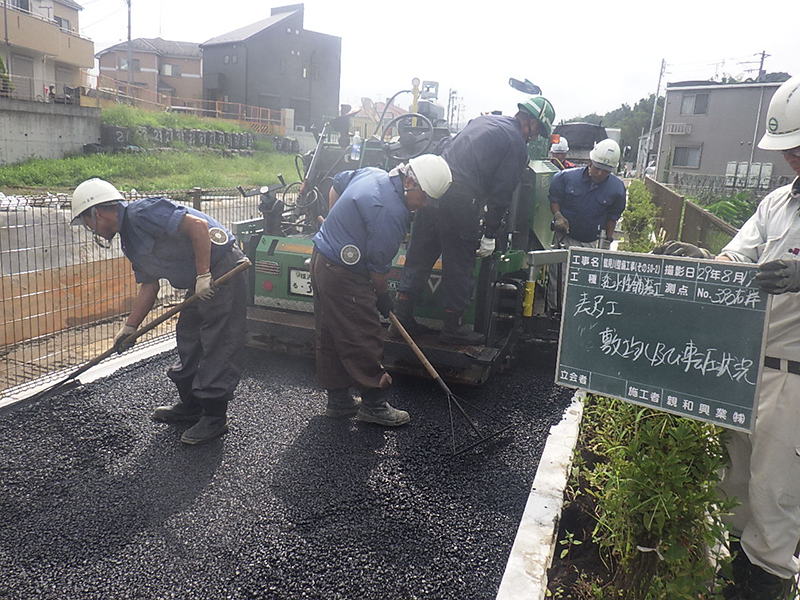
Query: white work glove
[560,223]
[203,286]
[487,247]
[779,276]
[120,343]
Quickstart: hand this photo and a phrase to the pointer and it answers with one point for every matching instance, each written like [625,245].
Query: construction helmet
[432,173]
[91,193]
[783,118]
[561,146]
[605,155]
[542,111]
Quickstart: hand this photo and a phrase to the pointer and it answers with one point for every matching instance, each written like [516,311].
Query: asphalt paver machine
[509,300]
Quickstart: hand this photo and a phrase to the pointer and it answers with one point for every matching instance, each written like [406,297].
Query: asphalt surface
[97,501]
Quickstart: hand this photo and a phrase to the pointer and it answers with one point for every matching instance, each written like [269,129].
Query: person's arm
[610,226]
[196,229]
[143,303]
[380,281]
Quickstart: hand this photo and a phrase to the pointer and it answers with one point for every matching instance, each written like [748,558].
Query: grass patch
[149,171]
[127,116]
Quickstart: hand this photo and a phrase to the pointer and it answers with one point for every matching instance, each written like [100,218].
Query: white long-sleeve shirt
[773,232]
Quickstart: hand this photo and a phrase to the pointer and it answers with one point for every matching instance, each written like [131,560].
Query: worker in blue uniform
[350,265]
[487,159]
[586,203]
[165,240]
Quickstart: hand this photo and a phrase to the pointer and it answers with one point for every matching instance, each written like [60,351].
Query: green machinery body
[507,305]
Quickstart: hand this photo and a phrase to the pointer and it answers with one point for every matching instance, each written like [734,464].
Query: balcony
[39,35]
[678,128]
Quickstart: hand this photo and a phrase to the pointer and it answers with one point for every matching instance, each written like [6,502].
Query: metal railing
[708,188]
[64,298]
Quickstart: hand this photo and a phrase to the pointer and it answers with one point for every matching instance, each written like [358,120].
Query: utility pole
[130,52]
[653,118]
[761,73]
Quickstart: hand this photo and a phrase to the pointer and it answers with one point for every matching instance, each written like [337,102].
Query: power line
[84,27]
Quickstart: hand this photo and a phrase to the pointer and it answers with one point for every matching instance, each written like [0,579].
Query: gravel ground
[97,501]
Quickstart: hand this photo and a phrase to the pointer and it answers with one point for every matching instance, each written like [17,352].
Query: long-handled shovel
[452,399]
[69,382]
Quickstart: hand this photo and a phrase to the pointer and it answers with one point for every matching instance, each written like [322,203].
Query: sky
[587,57]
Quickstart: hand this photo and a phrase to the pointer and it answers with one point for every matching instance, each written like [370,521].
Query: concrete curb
[532,553]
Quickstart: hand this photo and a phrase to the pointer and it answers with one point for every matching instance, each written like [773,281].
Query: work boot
[177,413]
[457,333]
[374,409]
[404,311]
[737,569]
[208,428]
[341,404]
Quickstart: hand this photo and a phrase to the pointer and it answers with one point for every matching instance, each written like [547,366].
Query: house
[713,129]
[161,66]
[43,47]
[276,64]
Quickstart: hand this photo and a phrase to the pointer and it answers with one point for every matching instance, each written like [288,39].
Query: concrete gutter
[532,553]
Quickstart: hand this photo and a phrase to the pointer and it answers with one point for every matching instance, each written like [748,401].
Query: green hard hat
[542,111]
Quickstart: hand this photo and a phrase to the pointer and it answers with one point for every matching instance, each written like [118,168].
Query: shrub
[639,219]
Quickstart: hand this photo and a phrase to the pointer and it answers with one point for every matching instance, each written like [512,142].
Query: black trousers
[210,339]
[449,231]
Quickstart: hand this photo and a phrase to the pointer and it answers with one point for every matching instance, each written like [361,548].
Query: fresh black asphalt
[99,502]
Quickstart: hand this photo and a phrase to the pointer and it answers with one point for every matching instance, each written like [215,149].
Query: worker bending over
[487,159]
[764,471]
[350,265]
[165,240]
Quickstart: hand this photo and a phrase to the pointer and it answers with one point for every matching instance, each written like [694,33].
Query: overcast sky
[586,56]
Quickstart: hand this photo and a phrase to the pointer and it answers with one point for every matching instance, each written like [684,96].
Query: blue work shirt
[585,204]
[370,214]
[489,157]
[151,241]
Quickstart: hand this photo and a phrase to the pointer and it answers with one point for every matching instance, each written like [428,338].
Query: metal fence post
[196,195]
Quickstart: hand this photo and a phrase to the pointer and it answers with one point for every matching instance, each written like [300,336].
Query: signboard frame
[606,352]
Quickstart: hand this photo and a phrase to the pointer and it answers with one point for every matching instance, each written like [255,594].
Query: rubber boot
[341,404]
[404,311]
[457,333]
[177,413]
[375,409]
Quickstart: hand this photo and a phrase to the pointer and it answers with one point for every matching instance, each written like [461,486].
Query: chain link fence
[63,297]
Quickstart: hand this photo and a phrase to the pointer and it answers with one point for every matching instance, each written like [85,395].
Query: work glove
[203,286]
[560,223]
[486,248]
[779,276]
[605,243]
[673,248]
[121,341]
[385,304]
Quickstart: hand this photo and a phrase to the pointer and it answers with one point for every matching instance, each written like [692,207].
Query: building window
[123,64]
[305,71]
[171,70]
[694,104]
[62,23]
[21,4]
[234,58]
[686,156]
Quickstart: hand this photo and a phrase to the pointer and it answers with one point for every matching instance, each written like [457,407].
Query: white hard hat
[432,173]
[783,118]
[562,145]
[605,155]
[91,193]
